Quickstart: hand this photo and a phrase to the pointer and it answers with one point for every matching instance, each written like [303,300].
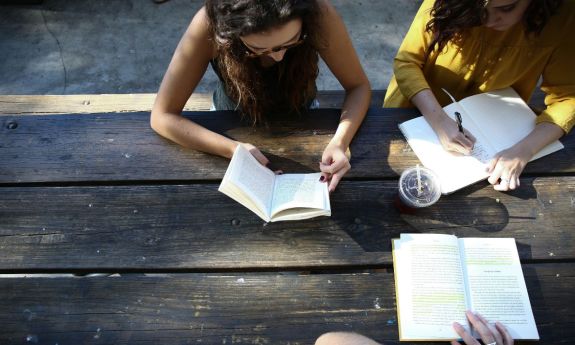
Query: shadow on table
[541,310]
[373,223]
[480,213]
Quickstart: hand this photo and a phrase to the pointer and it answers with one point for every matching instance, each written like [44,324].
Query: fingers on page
[465,141]
[467,338]
[259,156]
[492,164]
[481,328]
[494,332]
[504,184]
[327,168]
[513,182]
[507,339]
[456,147]
[496,173]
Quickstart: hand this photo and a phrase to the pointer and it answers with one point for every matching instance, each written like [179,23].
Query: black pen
[459,121]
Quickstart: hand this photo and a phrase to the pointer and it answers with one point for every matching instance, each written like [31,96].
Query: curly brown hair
[451,18]
[243,76]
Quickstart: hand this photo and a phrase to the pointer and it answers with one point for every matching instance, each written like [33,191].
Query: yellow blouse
[489,60]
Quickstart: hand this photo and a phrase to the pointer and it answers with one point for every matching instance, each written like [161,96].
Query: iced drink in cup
[418,187]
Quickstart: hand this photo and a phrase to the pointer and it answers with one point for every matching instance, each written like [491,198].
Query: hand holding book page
[490,333]
[274,197]
[439,277]
[498,120]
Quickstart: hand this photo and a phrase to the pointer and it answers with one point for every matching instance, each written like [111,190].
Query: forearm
[191,135]
[542,135]
[353,112]
[429,107]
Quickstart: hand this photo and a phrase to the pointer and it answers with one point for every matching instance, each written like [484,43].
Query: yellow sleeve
[559,85]
[408,63]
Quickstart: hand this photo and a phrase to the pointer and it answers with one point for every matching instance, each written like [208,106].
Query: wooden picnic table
[111,234]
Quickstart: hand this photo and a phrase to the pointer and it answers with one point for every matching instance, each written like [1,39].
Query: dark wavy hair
[243,76]
[451,18]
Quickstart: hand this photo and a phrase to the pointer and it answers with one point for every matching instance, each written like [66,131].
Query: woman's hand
[446,129]
[506,167]
[334,164]
[491,334]
[259,156]
[451,138]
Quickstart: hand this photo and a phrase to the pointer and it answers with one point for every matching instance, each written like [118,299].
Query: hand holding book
[491,334]
[439,277]
[274,197]
[334,164]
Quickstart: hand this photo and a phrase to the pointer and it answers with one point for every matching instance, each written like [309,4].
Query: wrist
[526,151]
[231,148]
[437,120]
[339,143]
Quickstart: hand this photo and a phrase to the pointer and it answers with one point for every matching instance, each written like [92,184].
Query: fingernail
[322,178]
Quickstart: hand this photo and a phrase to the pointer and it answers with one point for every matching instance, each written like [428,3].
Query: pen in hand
[459,122]
[460,126]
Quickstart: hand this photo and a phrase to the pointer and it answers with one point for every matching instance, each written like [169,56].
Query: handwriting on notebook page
[481,152]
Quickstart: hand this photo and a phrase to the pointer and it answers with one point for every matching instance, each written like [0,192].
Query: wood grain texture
[237,308]
[86,104]
[176,227]
[122,147]
[121,103]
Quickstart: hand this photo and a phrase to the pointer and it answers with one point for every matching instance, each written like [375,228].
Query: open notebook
[498,120]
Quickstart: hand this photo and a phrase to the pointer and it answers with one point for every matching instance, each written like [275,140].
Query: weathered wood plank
[86,104]
[135,102]
[120,103]
[111,228]
[119,147]
[237,308]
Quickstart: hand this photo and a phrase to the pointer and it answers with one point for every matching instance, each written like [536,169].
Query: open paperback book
[439,277]
[498,120]
[274,197]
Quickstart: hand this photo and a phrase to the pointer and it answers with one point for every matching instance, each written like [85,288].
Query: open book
[274,197]
[438,277]
[498,120]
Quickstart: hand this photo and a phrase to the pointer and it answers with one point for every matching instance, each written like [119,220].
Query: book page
[300,213]
[504,118]
[299,191]
[252,178]
[455,170]
[496,286]
[429,285]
